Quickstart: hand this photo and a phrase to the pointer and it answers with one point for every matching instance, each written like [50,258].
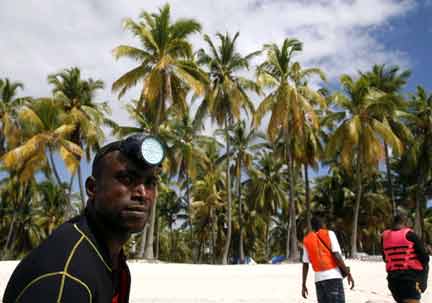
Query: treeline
[245,190]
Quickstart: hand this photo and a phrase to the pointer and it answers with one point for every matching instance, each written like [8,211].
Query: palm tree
[289,104]
[77,97]
[27,231]
[242,152]
[208,198]
[389,81]
[34,211]
[44,131]
[225,98]
[185,155]
[166,70]
[357,140]
[172,209]
[165,66]
[416,162]
[266,189]
[9,105]
[52,205]
[311,141]
[11,195]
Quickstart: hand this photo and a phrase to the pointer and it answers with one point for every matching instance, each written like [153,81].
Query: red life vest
[319,255]
[399,252]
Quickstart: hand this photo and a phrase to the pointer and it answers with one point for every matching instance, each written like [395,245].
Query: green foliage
[345,135]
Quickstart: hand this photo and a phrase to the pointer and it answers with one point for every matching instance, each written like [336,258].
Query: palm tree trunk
[357,204]
[143,241]
[267,238]
[81,186]
[422,173]
[307,192]
[148,254]
[70,212]
[70,185]
[213,235]
[291,248]
[157,239]
[200,248]
[172,239]
[389,178]
[155,127]
[9,237]
[418,210]
[332,210]
[240,210]
[228,186]
[191,238]
[15,198]
[53,166]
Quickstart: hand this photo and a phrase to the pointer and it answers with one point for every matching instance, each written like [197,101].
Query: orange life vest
[319,255]
[399,252]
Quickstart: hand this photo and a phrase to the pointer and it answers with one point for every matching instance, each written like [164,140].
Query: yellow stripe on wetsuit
[64,273]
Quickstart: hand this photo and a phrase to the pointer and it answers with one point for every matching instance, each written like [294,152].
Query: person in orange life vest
[406,260]
[326,264]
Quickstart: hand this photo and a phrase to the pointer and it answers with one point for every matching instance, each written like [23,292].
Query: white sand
[182,283]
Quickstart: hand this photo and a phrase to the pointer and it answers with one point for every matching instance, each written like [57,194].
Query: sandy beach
[169,283]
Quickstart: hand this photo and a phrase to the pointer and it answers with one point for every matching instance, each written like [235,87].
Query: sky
[41,37]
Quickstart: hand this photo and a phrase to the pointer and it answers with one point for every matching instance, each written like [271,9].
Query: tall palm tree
[208,198]
[267,189]
[242,152]
[417,161]
[77,97]
[166,70]
[390,81]
[357,140]
[185,156]
[226,97]
[312,147]
[289,104]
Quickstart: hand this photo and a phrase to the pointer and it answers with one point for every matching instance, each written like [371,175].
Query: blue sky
[412,35]
[41,37]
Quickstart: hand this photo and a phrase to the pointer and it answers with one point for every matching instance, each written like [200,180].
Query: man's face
[123,193]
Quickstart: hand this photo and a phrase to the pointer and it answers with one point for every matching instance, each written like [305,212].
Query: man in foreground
[83,260]
[321,248]
[406,261]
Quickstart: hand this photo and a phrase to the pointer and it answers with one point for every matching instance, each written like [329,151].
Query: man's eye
[151,182]
[125,179]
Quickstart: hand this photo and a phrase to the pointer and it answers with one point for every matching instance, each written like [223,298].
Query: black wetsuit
[72,265]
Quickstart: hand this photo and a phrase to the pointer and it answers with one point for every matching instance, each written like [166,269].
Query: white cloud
[40,37]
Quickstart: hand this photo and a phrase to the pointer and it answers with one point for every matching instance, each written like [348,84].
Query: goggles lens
[147,149]
[152,151]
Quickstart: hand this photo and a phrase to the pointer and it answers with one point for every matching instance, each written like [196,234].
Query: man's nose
[140,190]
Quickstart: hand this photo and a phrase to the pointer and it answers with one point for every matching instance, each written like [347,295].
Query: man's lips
[135,211]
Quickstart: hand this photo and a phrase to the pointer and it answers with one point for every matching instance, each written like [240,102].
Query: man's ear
[90,186]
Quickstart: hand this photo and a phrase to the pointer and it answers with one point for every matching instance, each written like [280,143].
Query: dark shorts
[330,291]
[404,289]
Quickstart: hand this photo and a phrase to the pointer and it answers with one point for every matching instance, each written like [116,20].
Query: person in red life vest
[406,260]
[321,249]
[83,259]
